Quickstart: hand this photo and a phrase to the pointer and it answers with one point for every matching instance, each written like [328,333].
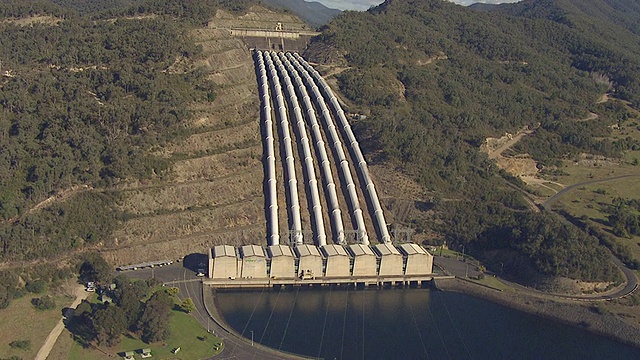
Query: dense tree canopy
[84,103]
[438,79]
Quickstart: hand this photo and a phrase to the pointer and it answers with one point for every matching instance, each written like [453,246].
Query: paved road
[462,269]
[457,267]
[630,287]
[632,280]
[235,345]
[550,201]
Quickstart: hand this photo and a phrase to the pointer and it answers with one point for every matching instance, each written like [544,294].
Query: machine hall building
[306,262]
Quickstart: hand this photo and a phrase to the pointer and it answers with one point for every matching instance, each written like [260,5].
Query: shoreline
[582,315]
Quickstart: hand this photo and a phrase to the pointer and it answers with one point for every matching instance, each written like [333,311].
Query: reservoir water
[335,323]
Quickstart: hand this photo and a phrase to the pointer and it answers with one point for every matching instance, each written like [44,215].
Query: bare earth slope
[215,192]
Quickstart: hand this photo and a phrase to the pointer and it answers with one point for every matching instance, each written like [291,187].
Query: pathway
[497,152]
[43,353]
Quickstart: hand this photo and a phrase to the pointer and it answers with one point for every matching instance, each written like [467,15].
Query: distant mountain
[313,13]
[601,14]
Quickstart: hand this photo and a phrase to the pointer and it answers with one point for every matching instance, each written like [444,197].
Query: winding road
[236,346]
[550,201]
[632,280]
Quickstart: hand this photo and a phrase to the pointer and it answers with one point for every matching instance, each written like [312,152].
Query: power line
[289,320]
[438,331]
[415,322]
[344,321]
[454,326]
[270,315]
[324,326]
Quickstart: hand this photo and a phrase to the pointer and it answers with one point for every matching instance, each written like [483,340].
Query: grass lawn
[591,201]
[186,333]
[489,280]
[630,156]
[582,173]
[21,321]
[541,191]
[446,252]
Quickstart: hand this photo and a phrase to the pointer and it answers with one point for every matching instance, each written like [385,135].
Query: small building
[223,262]
[129,355]
[254,262]
[283,263]
[364,260]
[391,260]
[309,260]
[145,353]
[337,260]
[417,260]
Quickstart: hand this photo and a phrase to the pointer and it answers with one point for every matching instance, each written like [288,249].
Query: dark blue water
[405,324]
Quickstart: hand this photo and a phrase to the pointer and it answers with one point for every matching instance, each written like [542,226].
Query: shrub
[20,344]
[43,303]
[37,286]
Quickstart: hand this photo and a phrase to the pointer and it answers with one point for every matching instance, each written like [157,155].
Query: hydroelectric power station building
[350,263]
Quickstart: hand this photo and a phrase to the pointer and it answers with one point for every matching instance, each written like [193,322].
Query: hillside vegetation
[437,79]
[122,122]
[90,103]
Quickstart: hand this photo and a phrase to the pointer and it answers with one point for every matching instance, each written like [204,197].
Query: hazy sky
[365,4]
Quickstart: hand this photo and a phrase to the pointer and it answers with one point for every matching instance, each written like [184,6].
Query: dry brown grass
[18,323]
[218,166]
[180,197]
[215,193]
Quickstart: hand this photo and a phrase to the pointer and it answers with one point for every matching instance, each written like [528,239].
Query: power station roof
[223,250]
[307,250]
[252,250]
[361,250]
[413,249]
[386,249]
[280,250]
[334,250]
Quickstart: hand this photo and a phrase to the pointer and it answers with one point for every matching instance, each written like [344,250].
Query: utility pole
[251,337]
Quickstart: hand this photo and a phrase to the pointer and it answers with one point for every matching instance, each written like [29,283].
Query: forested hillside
[85,104]
[92,93]
[438,79]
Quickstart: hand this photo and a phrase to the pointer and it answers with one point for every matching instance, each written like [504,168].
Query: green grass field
[592,200]
[186,333]
[541,190]
[493,282]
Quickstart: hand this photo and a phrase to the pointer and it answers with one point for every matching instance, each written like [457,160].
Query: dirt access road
[497,152]
[43,353]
